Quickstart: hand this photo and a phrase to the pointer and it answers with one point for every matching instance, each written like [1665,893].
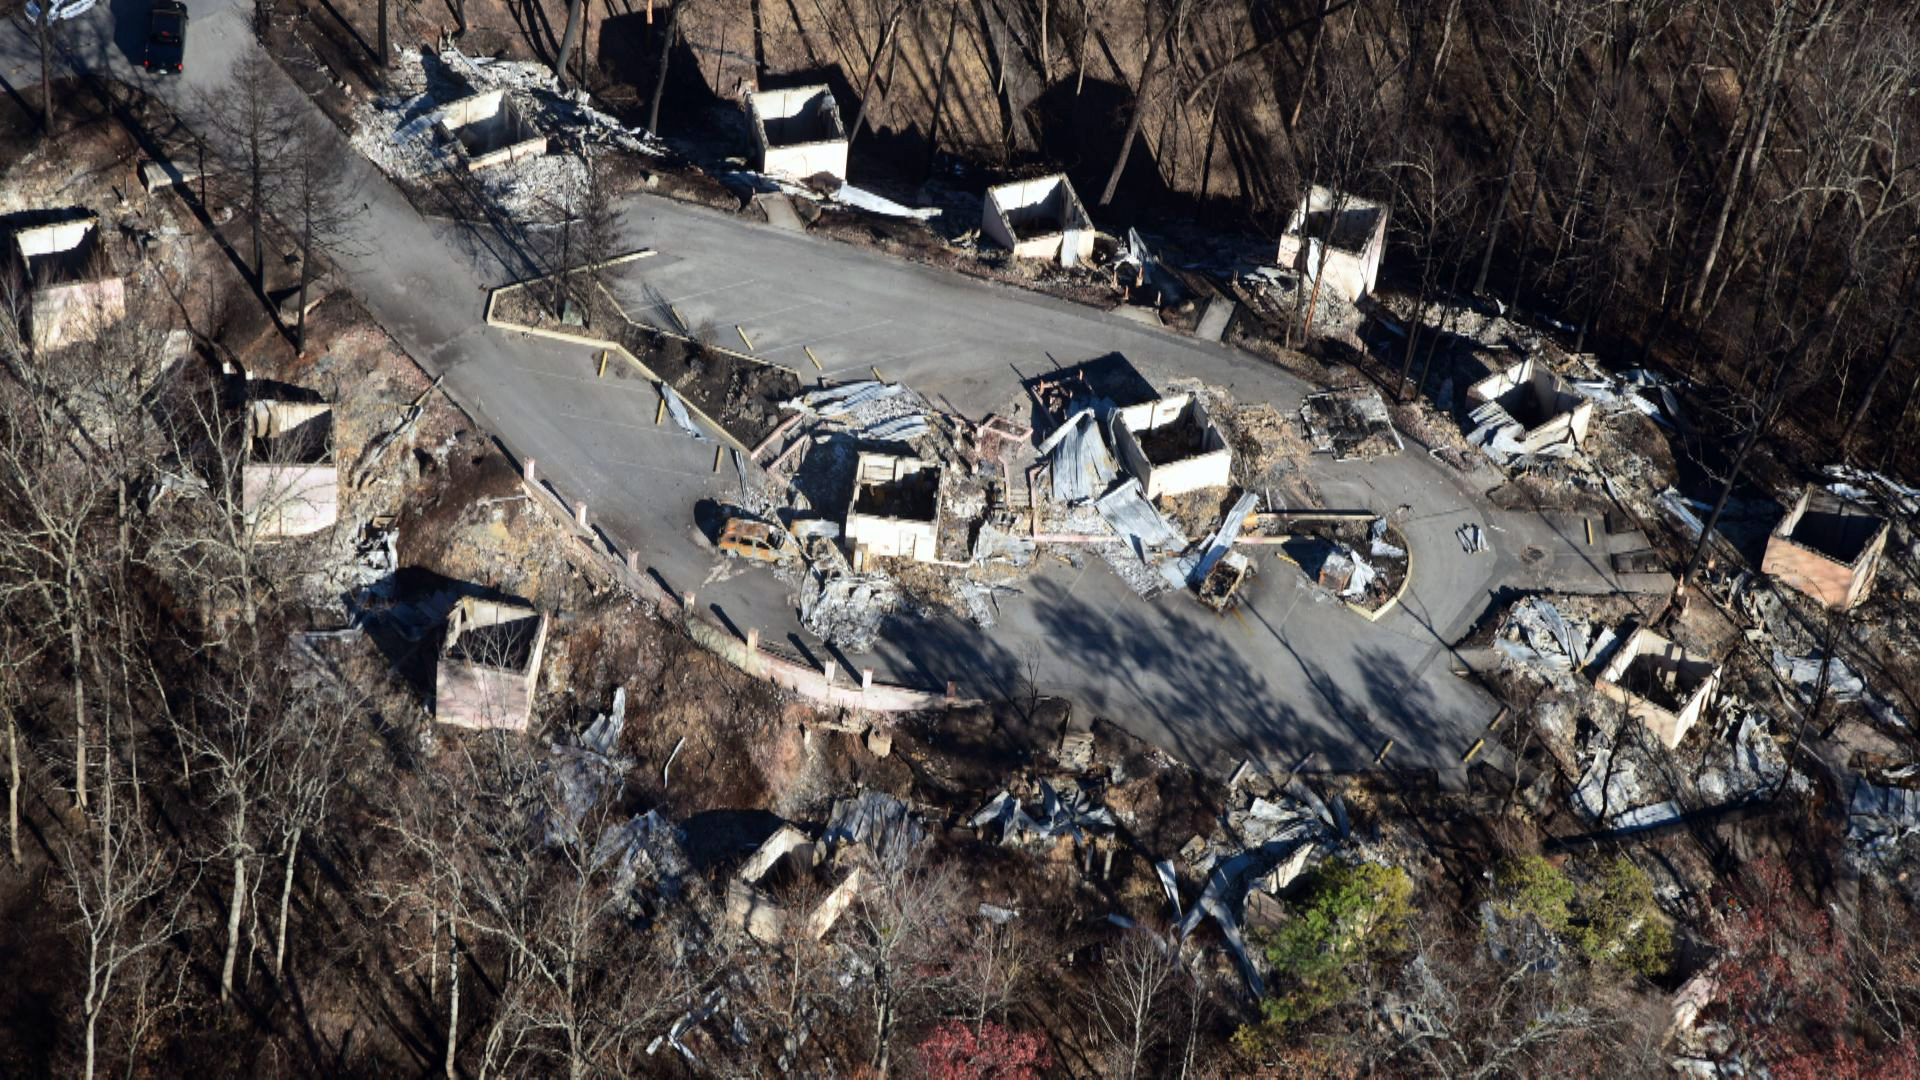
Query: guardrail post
[633,562]
[828,672]
[580,514]
[527,472]
[866,679]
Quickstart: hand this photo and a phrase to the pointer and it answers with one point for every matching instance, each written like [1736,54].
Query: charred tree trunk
[44,36]
[567,38]
[940,86]
[1901,321]
[13,788]
[1500,206]
[888,39]
[453,1006]
[660,77]
[234,904]
[286,902]
[1147,72]
[79,719]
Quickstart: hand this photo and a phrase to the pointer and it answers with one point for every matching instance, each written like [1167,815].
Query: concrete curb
[1392,601]
[1388,605]
[612,347]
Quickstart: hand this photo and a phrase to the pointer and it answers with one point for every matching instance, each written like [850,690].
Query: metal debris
[677,408]
[1082,466]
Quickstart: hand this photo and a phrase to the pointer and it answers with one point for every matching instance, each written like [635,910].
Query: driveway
[1288,674]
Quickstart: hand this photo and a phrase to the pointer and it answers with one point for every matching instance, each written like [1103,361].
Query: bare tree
[1172,25]
[237,741]
[315,199]
[307,778]
[44,43]
[902,929]
[1128,1000]
[1460,1010]
[993,966]
[600,222]
[889,46]
[668,36]
[128,904]
[252,118]
[1432,194]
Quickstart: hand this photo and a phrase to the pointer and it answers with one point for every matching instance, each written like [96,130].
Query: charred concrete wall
[1358,240]
[1039,219]
[1172,446]
[799,131]
[490,665]
[1827,548]
[1660,684]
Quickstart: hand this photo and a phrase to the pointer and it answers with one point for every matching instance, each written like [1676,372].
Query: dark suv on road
[166,38]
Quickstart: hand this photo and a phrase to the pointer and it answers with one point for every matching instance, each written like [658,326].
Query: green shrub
[1609,919]
[1349,911]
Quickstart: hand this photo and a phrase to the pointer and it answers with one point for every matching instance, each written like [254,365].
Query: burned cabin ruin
[69,282]
[893,510]
[1660,684]
[1826,547]
[490,131]
[1039,219]
[799,132]
[1172,446]
[1338,237]
[489,665]
[289,483]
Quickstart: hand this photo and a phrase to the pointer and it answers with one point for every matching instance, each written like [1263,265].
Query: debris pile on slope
[398,131]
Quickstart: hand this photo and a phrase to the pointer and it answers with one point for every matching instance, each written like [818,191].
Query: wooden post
[829,670]
[580,514]
[527,473]
[866,679]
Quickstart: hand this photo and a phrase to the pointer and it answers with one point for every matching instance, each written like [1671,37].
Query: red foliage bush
[954,1052]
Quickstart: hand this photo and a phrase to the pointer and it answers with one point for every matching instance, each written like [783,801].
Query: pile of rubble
[889,503]
[404,133]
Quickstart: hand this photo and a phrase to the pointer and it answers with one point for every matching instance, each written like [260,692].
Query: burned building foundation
[799,132]
[489,665]
[1039,219]
[290,484]
[893,510]
[1527,409]
[490,131]
[71,288]
[1172,446]
[1828,548]
[1337,237]
[1660,684]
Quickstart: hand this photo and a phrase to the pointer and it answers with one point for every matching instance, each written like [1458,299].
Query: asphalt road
[1289,675]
